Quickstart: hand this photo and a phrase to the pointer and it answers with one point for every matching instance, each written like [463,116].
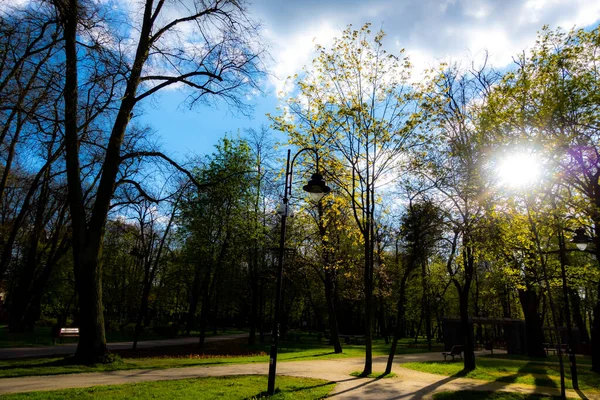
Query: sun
[519,169]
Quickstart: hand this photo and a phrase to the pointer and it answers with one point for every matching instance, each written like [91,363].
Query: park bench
[549,347]
[353,339]
[456,350]
[66,332]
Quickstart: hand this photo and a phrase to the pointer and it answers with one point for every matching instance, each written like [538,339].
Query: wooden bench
[549,347]
[66,332]
[353,339]
[456,350]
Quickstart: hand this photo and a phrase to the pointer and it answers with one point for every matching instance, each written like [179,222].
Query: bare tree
[207,46]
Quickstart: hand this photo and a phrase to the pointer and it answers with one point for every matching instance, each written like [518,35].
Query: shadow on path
[419,394]
[361,385]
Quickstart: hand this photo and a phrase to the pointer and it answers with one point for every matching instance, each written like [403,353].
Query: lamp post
[581,240]
[317,188]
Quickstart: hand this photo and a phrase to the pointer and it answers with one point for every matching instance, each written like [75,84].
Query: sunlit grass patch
[227,387]
[538,373]
[479,395]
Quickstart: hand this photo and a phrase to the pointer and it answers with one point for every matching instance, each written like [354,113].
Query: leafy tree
[420,231]
[551,100]
[452,102]
[213,221]
[355,105]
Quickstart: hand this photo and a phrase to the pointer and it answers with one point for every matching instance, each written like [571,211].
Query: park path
[13,353]
[408,385]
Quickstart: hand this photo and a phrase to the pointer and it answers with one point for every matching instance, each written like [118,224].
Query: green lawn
[227,387]
[42,336]
[309,348]
[475,395]
[538,373]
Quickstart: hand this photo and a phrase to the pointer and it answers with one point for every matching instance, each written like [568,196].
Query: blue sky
[429,30]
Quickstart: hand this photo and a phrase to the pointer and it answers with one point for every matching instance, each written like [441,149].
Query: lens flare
[518,170]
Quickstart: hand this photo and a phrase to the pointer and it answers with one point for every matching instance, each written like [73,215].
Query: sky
[429,31]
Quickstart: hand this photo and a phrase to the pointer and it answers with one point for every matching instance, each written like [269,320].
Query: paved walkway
[408,385]
[69,348]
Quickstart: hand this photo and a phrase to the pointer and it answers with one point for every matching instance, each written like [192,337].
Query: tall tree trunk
[400,321]
[88,281]
[533,323]
[143,307]
[193,302]
[463,296]
[467,331]
[577,315]
[333,323]
[596,334]
[254,306]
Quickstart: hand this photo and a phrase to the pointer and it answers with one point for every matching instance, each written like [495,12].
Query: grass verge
[227,387]
[537,373]
[477,395]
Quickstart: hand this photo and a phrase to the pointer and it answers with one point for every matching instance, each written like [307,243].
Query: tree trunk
[253,309]
[578,317]
[533,323]
[596,336]
[88,281]
[143,307]
[467,331]
[333,324]
[194,299]
[400,321]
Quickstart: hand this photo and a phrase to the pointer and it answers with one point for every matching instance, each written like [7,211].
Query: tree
[551,100]
[213,221]
[452,102]
[222,64]
[355,106]
[421,229]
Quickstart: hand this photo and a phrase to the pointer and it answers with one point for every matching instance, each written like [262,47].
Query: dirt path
[408,385]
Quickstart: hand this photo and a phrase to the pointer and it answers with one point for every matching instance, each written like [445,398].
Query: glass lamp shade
[315,196]
[316,187]
[581,239]
[581,246]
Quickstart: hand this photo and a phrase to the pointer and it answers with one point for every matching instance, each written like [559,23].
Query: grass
[309,348]
[228,387]
[376,375]
[477,395]
[42,336]
[530,372]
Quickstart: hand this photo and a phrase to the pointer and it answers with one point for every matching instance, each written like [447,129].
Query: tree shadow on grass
[24,364]
[538,370]
[264,394]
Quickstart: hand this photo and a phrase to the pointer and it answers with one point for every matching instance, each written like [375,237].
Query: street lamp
[317,188]
[581,239]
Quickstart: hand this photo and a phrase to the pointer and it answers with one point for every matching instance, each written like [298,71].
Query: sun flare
[518,170]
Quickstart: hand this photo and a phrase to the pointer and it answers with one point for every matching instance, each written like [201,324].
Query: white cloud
[292,52]
[429,30]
